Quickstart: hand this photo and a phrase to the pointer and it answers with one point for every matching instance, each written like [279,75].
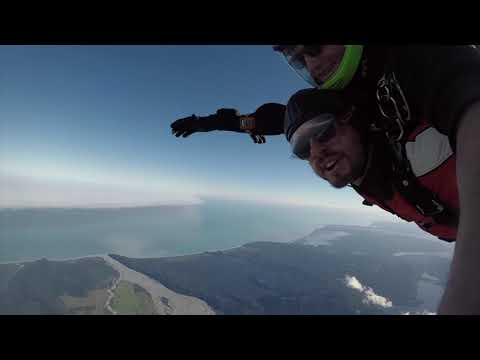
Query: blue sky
[91,125]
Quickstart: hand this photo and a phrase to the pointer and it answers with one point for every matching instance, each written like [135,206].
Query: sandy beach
[167,302]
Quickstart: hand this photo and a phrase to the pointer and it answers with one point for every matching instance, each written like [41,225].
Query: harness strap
[408,185]
[396,118]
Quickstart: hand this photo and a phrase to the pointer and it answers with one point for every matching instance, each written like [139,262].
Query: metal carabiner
[404,100]
[384,97]
[398,119]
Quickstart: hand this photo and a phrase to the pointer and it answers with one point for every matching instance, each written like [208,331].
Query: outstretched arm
[266,120]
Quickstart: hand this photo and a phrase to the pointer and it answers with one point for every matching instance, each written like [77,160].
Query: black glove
[224,119]
[189,125]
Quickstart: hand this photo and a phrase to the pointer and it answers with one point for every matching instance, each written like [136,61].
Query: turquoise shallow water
[28,234]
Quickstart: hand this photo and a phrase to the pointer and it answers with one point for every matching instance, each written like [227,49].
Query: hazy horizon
[164,230]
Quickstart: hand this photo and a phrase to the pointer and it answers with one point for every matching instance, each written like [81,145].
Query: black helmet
[307,104]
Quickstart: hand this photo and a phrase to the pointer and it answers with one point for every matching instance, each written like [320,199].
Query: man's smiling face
[341,159]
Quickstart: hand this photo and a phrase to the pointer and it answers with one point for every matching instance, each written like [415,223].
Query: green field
[93,304]
[131,299]
[44,287]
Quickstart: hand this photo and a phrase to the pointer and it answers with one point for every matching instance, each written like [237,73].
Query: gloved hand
[187,126]
[224,119]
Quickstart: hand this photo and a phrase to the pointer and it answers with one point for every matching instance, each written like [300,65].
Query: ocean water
[28,234]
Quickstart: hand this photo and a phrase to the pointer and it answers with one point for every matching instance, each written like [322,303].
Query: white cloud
[370,298]
[353,283]
[374,299]
[424,312]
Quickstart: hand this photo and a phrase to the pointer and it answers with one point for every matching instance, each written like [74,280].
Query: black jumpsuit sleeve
[439,82]
[269,119]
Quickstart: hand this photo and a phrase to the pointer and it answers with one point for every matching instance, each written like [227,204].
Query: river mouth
[166,301]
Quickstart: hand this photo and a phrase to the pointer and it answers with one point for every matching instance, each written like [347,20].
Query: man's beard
[340,185]
[357,171]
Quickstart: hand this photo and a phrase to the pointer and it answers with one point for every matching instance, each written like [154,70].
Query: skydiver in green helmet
[400,125]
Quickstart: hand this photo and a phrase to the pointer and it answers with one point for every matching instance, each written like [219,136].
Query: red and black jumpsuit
[439,83]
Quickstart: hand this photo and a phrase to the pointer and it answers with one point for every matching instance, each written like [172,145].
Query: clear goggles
[295,56]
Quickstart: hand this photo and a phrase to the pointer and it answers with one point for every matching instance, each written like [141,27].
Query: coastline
[166,301]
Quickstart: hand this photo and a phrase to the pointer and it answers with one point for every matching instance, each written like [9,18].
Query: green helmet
[338,79]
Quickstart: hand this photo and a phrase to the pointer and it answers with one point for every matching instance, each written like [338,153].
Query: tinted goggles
[320,129]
